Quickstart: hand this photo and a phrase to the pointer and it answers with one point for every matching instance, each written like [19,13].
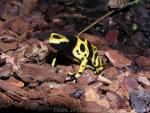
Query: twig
[108,14]
[95,22]
[77,15]
[104,79]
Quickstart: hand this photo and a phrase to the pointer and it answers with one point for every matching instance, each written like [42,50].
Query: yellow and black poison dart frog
[77,49]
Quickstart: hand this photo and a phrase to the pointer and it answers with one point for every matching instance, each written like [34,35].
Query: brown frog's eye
[56,36]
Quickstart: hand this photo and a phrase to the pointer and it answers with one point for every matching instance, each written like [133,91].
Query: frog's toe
[99,70]
[71,78]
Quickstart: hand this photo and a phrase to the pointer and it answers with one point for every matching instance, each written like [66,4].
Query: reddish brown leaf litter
[28,82]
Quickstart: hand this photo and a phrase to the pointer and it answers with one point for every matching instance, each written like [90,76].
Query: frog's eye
[56,38]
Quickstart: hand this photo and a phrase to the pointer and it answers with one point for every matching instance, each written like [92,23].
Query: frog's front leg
[74,77]
[54,62]
[101,67]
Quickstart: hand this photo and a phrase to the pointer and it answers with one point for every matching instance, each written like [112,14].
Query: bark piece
[5,47]
[87,78]
[5,71]
[93,107]
[143,61]
[144,81]
[130,83]
[139,40]
[5,101]
[114,86]
[117,3]
[112,37]
[9,60]
[97,41]
[91,94]
[14,82]
[37,52]
[32,73]
[111,72]
[116,100]
[117,59]
[20,27]
[140,100]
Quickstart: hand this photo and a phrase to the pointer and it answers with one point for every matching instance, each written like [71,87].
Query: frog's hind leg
[82,67]
[99,70]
